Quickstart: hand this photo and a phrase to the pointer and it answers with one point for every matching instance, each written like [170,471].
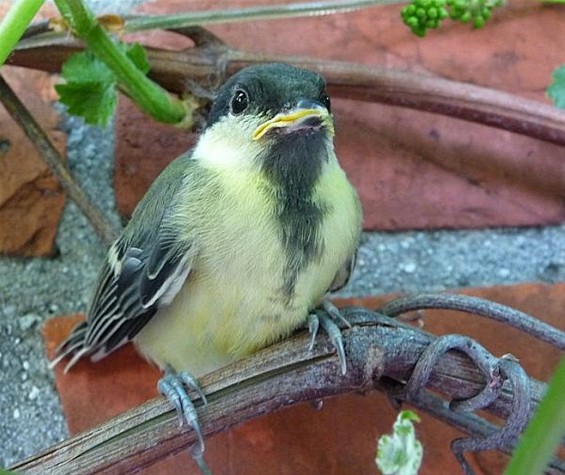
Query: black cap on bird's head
[274,99]
[274,119]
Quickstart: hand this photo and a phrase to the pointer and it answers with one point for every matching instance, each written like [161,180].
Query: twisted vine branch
[485,308]
[172,70]
[382,353]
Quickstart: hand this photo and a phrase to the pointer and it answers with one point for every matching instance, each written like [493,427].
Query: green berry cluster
[421,15]
[476,12]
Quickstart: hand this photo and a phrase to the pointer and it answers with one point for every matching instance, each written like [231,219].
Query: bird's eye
[325,99]
[239,102]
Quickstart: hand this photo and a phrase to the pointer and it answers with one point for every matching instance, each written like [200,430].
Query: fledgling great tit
[237,241]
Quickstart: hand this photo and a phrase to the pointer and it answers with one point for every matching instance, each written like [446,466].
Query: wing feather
[131,296]
[143,271]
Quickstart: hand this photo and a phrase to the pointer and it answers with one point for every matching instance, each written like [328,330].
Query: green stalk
[64,10]
[150,97]
[14,24]
[545,431]
[262,12]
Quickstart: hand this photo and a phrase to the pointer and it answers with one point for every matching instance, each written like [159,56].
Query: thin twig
[380,351]
[135,23]
[36,29]
[477,306]
[55,161]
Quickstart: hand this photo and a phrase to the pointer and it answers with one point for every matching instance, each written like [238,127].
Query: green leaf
[138,56]
[90,90]
[94,101]
[86,68]
[400,453]
[556,91]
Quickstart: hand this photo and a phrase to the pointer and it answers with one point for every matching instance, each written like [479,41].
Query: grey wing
[136,280]
[343,274]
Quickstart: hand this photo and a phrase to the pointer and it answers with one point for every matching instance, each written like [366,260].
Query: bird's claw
[328,319]
[197,453]
[335,313]
[313,328]
[173,386]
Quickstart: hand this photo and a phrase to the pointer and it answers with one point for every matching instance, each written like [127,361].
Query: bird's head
[269,112]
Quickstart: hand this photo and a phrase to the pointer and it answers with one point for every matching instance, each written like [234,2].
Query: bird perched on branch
[236,243]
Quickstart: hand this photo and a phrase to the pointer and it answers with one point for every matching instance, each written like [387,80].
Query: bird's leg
[328,315]
[173,386]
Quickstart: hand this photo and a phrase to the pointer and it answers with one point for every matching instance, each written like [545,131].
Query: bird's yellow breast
[232,303]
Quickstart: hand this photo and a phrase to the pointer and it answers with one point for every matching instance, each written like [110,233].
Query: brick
[31,200]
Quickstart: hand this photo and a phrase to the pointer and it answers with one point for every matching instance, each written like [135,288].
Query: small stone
[9,310]
[503,272]
[409,267]
[33,393]
[28,321]
[16,413]
[25,365]
[405,244]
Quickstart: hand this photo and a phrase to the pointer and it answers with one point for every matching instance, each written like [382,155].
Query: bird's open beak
[296,117]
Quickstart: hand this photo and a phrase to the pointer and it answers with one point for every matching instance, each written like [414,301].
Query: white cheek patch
[229,143]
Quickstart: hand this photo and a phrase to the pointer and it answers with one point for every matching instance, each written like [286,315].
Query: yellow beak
[290,118]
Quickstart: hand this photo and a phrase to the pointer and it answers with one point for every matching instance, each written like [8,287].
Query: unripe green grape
[421,15]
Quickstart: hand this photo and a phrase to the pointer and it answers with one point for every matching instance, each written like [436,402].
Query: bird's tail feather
[72,346]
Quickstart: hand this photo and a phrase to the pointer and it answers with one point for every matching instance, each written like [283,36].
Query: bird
[236,244]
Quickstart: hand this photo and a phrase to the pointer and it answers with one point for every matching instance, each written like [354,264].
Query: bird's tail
[72,346]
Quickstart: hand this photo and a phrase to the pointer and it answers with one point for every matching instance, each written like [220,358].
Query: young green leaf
[400,453]
[90,88]
[557,88]
[138,56]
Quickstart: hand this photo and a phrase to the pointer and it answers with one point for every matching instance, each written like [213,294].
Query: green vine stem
[14,24]
[150,97]
[545,431]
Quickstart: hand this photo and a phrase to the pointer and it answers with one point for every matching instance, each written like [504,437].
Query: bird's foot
[174,386]
[328,315]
